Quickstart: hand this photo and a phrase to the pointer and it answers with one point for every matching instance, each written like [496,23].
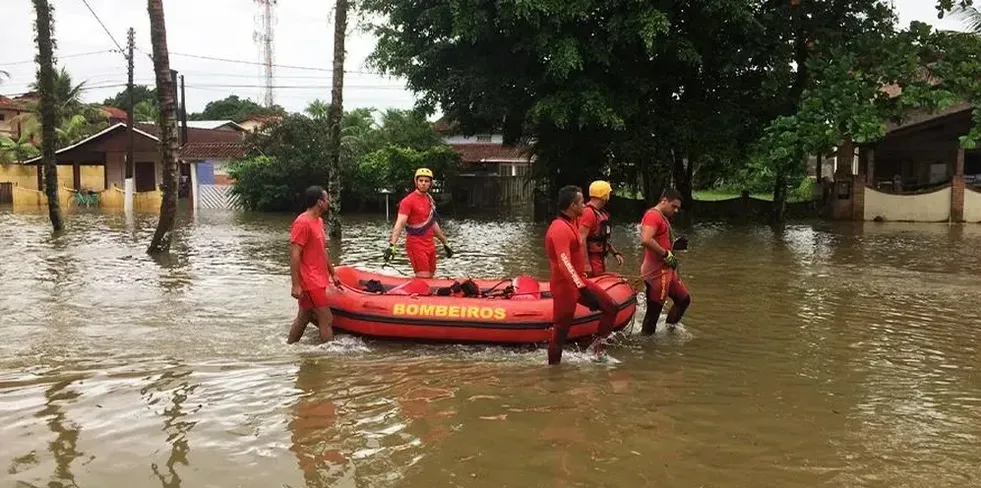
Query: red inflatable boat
[517,311]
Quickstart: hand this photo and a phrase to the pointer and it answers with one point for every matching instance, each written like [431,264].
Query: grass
[715,195]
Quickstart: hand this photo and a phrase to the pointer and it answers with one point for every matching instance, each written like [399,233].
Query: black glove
[589,299]
[389,252]
[449,252]
[680,244]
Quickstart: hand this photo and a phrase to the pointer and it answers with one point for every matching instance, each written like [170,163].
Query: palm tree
[68,104]
[46,86]
[334,115]
[168,127]
[971,16]
[18,150]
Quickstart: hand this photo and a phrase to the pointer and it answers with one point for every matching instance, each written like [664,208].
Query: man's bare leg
[303,317]
[324,319]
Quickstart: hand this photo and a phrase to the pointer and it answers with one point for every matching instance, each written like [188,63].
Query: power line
[256,63]
[302,87]
[103,25]
[66,56]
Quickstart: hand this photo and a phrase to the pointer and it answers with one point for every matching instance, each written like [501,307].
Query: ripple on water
[812,354]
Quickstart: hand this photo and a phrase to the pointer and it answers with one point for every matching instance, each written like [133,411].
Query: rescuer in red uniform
[417,213]
[594,225]
[567,260]
[659,269]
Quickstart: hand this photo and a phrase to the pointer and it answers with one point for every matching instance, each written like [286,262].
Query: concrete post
[194,187]
[957,188]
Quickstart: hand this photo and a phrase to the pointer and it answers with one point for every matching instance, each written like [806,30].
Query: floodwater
[816,355]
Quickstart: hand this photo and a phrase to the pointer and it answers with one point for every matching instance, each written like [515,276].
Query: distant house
[114,115]
[98,163]
[256,122]
[9,109]
[226,125]
[491,173]
[918,172]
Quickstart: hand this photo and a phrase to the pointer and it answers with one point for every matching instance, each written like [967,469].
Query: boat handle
[527,314]
[374,306]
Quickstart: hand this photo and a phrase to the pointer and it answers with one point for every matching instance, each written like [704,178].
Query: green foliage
[141,93]
[394,166]
[18,150]
[288,158]
[234,108]
[292,155]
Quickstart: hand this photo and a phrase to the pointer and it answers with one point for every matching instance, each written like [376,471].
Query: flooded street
[819,355]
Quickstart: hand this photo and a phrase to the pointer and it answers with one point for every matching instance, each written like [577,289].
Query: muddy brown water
[817,355]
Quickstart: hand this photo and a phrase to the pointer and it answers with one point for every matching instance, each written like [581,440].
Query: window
[3,117]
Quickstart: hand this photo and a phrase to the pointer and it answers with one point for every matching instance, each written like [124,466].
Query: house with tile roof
[97,163]
[9,109]
[491,172]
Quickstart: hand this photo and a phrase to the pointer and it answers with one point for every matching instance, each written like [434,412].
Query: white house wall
[972,205]
[494,139]
[928,207]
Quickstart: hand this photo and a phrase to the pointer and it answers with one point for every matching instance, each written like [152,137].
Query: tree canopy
[645,93]
[234,108]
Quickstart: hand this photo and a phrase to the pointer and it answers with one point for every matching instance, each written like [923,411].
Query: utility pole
[183,114]
[128,184]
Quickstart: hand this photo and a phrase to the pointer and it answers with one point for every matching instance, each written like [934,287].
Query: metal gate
[6,193]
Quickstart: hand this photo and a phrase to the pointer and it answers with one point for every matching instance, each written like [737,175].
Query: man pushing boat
[594,225]
[417,214]
[567,260]
[310,267]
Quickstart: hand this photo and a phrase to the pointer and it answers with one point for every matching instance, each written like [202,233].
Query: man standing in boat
[417,214]
[594,225]
[659,269]
[310,267]
[567,260]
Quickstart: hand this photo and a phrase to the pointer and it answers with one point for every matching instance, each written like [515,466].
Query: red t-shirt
[308,233]
[422,216]
[565,253]
[662,235]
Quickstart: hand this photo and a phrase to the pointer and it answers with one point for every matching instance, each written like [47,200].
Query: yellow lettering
[473,313]
[427,309]
[500,313]
[412,309]
[455,312]
[398,309]
[441,311]
[486,313]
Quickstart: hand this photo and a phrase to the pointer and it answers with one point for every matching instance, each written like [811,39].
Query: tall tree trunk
[779,194]
[168,127]
[46,87]
[334,114]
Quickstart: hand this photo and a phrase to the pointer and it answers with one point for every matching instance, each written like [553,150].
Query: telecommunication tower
[263,37]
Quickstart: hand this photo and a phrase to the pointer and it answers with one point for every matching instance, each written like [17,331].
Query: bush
[293,154]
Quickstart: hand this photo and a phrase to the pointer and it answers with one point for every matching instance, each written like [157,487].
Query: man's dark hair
[671,194]
[312,195]
[567,195]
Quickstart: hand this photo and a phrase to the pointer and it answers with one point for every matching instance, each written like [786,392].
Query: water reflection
[172,386]
[313,427]
[63,447]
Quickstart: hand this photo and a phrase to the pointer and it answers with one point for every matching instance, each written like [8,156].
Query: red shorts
[598,263]
[316,298]
[422,258]
[665,284]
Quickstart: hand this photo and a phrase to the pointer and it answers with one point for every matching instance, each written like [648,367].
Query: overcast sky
[224,29]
